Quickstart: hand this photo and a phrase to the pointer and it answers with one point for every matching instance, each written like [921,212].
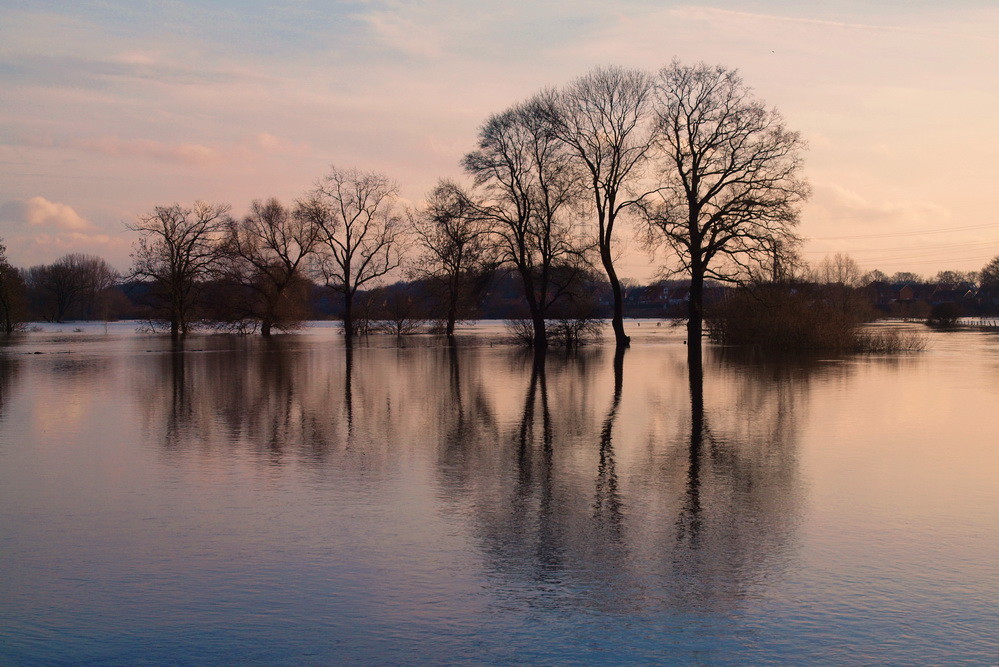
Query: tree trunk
[348,318]
[265,326]
[695,315]
[617,321]
[452,315]
[540,333]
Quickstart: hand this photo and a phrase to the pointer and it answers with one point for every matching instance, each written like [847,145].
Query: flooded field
[237,499]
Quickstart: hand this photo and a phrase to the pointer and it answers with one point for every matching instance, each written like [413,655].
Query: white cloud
[40,212]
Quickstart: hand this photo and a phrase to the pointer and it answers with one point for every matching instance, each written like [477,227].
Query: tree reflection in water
[576,489]
[607,504]
[9,371]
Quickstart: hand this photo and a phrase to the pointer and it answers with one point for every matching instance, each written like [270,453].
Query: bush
[945,314]
[567,332]
[800,318]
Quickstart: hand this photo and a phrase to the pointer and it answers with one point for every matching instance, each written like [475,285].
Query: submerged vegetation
[803,318]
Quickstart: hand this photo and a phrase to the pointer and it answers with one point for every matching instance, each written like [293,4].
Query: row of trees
[345,232]
[844,269]
[711,174]
[75,286]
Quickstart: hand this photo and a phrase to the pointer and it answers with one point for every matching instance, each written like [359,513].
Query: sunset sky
[110,108]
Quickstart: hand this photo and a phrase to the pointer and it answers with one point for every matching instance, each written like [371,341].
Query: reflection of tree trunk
[608,498]
[538,384]
[527,422]
[549,519]
[452,305]
[689,522]
[348,394]
[455,377]
[178,389]
[548,522]
[278,386]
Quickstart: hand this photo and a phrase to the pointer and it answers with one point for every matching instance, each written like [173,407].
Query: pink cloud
[187,153]
[250,148]
[40,212]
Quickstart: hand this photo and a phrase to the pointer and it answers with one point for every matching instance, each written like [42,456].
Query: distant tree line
[79,287]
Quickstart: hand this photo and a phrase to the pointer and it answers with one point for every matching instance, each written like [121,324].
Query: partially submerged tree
[397,309]
[731,182]
[359,230]
[603,118]
[177,250]
[532,193]
[453,238]
[12,293]
[268,249]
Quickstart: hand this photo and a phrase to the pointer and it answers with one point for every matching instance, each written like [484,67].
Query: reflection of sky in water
[243,499]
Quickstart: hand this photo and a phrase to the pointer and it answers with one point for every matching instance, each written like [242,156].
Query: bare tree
[731,180]
[177,250]
[452,235]
[603,117]
[55,289]
[839,269]
[532,196]
[873,276]
[359,231]
[12,294]
[268,250]
[71,286]
[98,278]
[906,277]
[956,278]
[397,309]
[989,275]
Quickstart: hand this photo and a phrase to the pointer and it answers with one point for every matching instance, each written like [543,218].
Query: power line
[947,246]
[943,230]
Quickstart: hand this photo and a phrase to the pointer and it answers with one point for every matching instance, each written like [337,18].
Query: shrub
[800,318]
[945,314]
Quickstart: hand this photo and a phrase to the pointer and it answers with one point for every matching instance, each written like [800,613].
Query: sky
[108,109]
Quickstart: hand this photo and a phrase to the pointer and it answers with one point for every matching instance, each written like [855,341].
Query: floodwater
[234,499]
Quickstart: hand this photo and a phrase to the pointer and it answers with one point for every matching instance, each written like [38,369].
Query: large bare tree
[532,194]
[268,249]
[604,118]
[731,180]
[178,249]
[452,235]
[359,229]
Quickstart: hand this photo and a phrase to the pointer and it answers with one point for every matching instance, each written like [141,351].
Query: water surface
[291,500]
